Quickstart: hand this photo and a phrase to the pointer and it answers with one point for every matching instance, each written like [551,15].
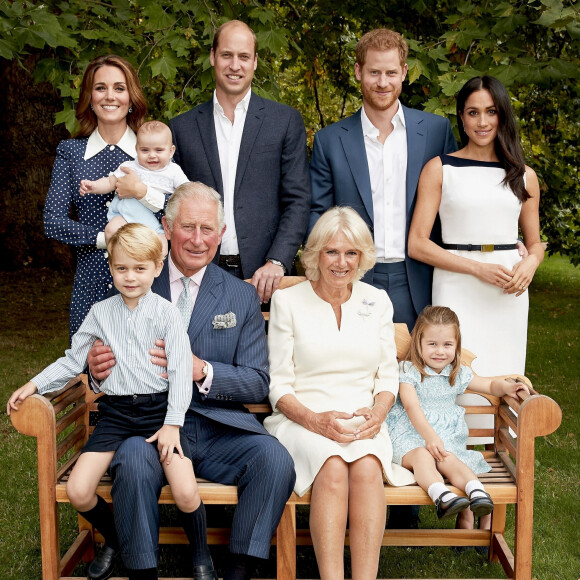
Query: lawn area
[34,332]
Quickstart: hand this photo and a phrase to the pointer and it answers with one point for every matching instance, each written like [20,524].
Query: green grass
[34,331]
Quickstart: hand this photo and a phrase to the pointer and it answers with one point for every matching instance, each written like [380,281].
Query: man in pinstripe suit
[230,367]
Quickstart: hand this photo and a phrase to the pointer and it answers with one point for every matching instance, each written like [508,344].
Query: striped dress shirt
[130,334]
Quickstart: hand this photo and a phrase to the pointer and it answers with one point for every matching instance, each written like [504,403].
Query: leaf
[68,118]
[165,66]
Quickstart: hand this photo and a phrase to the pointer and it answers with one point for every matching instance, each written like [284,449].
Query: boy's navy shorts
[129,416]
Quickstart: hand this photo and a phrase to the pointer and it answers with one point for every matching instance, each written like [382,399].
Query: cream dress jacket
[331,369]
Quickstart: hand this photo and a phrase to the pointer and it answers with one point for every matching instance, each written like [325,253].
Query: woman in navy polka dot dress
[110,110]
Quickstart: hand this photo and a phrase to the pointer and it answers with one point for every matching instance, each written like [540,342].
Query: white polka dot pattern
[92,279]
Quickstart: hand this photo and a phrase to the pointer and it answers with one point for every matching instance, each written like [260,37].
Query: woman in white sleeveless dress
[483,193]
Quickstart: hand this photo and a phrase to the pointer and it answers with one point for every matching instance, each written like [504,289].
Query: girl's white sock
[436,489]
[476,487]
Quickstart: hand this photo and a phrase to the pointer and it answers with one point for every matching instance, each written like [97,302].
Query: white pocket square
[222,321]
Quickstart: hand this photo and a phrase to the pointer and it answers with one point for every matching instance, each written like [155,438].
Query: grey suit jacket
[239,355]
[272,187]
[339,175]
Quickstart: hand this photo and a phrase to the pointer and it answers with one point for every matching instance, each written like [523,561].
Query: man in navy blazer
[372,160]
[253,152]
[230,367]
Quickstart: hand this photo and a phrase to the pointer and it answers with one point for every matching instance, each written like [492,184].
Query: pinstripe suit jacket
[238,355]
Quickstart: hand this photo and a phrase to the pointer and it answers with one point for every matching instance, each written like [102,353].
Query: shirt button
[108,204]
[112,148]
[129,342]
[106,254]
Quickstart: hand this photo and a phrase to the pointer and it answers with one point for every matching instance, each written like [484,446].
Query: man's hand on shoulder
[266,280]
[100,360]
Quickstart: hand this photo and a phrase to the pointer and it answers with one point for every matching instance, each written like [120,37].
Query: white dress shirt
[229,139]
[388,175]
[176,287]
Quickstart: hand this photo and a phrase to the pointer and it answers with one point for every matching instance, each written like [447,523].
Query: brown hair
[138,241]
[434,316]
[155,127]
[84,114]
[227,24]
[381,39]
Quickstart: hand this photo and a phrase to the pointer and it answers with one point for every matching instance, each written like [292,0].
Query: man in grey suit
[230,367]
[253,152]
[371,161]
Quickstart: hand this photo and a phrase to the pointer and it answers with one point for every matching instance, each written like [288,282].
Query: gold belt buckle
[487,247]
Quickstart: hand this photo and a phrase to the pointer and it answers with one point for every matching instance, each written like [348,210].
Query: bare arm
[496,387]
[101,186]
[433,443]
[530,225]
[423,249]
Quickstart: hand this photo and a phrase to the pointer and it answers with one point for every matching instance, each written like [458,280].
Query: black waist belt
[230,261]
[480,247]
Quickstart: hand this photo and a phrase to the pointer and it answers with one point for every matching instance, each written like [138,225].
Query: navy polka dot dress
[92,279]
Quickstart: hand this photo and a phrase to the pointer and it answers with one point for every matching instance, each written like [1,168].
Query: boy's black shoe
[102,566]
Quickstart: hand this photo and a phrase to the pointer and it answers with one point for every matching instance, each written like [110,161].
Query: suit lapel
[416,139]
[161,283]
[353,145]
[206,301]
[254,119]
[206,128]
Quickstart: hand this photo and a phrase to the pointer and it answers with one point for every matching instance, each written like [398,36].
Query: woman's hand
[326,424]
[494,274]
[375,418]
[130,185]
[523,274]
[436,447]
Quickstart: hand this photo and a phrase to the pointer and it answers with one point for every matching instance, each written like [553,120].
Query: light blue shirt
[130,334]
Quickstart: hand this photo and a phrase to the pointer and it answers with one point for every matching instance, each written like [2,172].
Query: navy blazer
[339,175]
[238,355]
[272,187]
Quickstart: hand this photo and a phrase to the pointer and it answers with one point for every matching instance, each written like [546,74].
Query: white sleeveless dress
[477,208]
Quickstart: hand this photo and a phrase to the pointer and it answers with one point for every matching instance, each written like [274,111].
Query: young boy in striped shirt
[136,400]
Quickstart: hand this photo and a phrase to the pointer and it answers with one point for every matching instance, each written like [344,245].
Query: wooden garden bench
[61,423]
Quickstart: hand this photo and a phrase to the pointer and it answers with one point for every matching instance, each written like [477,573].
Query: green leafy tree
[306,50]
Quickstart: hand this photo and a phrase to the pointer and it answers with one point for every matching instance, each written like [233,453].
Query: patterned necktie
[184,302]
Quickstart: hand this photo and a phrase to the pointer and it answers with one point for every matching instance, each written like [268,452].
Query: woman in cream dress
[334,377]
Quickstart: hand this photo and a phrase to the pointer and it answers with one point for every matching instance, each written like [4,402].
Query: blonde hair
[381,39]
[193,190]
[434,316]
[138,241]
[338,220]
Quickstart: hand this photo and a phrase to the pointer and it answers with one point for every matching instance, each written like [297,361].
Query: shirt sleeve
[60,372]
[387,377]
[464,377]
[59,199]
[281,349]
[179,369]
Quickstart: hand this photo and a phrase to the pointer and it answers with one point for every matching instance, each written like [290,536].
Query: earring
[130,109]
[91,107]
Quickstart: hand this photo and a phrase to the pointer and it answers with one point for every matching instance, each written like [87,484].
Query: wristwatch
[277,263]
[204,370]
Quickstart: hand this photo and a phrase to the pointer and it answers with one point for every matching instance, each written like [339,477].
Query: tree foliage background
[306,51]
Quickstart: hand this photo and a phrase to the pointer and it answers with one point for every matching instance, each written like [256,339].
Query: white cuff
[101,242]
[153,200]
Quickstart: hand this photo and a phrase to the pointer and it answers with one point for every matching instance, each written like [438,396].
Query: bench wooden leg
[497,527]
[286,545]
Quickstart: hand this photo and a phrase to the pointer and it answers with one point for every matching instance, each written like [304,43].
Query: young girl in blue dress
[427,428]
